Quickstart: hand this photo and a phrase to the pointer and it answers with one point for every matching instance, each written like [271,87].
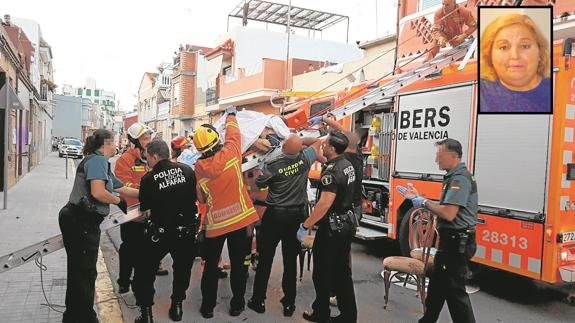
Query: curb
[108,307]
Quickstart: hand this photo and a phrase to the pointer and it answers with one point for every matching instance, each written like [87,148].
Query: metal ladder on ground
[55,243]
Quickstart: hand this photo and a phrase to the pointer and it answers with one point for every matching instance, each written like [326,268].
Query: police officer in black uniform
[286,179]
[333,213]
[168,194]
[457,215]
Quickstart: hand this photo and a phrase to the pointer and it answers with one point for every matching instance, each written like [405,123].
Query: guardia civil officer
[334,215]
[457,214]
[168,195]
[286,180]
[80,222]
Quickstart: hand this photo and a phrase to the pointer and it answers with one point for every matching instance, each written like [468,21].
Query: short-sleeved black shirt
[356,159]
[338,177]
[286,179]
[460,188]
[169,191]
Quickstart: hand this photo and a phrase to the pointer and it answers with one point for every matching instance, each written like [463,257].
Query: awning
[13,100]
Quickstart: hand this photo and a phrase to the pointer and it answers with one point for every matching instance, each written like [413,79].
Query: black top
[338,177]
[356,160]
[169,191]
[460,188]
[286,179]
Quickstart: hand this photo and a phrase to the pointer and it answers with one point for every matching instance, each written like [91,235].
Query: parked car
[71,147]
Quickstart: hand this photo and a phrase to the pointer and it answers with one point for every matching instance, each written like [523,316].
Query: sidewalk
[32,215]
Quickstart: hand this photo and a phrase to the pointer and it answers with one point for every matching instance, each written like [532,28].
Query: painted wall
[274,45]
[68,116]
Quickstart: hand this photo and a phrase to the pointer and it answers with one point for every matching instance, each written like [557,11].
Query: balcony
[252,84]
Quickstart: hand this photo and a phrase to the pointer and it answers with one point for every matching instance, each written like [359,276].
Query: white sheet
[251,126]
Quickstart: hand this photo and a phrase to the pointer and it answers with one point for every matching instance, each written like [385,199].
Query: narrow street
[502,297]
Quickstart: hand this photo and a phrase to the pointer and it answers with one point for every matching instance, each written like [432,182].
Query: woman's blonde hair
[486,70]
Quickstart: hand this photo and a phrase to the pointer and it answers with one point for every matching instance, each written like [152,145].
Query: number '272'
[504,239]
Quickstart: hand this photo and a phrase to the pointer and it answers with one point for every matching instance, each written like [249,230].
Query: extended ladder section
[55,243]
[402,80]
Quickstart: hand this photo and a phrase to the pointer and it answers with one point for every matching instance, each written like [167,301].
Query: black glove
[123,205]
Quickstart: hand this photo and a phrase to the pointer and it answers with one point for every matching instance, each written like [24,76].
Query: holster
[153,232]
[341,224]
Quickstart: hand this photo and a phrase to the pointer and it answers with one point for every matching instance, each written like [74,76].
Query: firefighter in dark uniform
[168,196]
[457,215]
[334,215]
[286,179]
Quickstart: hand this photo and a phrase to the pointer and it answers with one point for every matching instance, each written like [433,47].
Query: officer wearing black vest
[456,214]
[168,196]
[286,179]
[331,249]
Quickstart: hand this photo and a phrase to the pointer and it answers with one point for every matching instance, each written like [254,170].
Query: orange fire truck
[524,164]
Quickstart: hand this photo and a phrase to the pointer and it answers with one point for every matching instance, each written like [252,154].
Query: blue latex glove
[231,110]
[316,120]
[418,201]
[411,194]
[262,165]
[301,232]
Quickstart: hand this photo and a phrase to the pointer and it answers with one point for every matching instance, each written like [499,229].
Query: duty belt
[287,208]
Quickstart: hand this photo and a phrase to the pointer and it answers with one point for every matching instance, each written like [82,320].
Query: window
[88,92]
[426,4]
[227,70]
[97,92]
[98,101]
[80,92]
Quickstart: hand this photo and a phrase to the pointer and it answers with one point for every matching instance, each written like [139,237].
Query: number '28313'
[504,239]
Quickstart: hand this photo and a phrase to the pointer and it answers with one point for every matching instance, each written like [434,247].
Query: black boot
[176,311]
[145,315]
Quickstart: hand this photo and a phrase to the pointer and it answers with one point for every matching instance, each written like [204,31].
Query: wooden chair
[421,235]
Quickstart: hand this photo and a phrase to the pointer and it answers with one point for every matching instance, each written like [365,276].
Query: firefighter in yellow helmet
[229,211]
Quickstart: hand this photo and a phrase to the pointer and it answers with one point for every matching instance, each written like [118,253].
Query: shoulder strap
[80,168]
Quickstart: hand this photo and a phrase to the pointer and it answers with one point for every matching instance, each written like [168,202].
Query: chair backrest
[421,229]
[422,233]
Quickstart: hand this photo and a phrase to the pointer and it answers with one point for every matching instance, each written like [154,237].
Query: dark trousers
[132,234]
[447,282]
[278,225]
[332,272]
[81,242]
[183,252]
[239,252]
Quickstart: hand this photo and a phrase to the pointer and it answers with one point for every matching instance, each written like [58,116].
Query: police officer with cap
[168,196]
[457,215]
[286,180]
[331,249]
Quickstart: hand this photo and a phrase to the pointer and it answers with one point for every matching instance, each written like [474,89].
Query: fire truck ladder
[55,243]
[402,80]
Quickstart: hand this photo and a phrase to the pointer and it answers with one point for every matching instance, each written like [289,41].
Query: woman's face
[515,57]
[109,148]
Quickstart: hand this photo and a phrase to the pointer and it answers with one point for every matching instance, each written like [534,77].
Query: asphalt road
[502,297]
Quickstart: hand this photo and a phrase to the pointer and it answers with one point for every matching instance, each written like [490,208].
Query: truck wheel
[404,234]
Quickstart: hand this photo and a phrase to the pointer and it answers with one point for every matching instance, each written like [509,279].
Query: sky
[115,42]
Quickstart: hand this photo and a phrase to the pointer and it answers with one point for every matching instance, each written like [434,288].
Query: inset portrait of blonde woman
[514,67]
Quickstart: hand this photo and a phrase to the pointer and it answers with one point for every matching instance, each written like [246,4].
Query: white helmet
[136,131]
